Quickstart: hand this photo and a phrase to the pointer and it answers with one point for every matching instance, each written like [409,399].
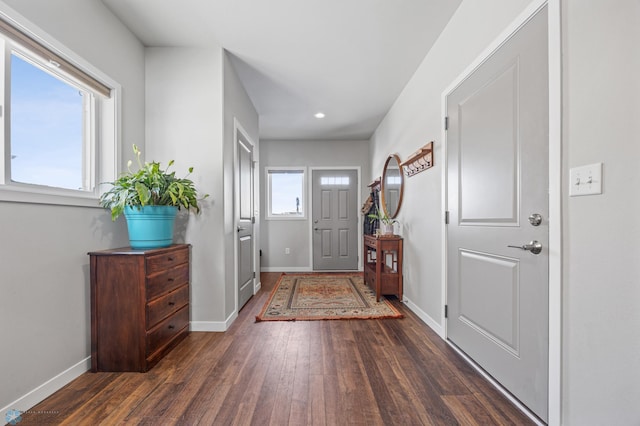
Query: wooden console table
[383,264]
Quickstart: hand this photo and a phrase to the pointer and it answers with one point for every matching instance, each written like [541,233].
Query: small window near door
[394,180]
[334,180]
[286,193]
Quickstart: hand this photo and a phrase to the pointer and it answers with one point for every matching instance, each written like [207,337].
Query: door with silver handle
[534,247]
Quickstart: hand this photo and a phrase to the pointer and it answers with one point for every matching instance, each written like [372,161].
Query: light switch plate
[585,180]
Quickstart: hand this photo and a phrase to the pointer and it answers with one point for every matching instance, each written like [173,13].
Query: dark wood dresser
[383,264]
[139,306]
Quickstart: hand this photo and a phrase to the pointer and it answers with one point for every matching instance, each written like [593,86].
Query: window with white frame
[58,120]
[285,193]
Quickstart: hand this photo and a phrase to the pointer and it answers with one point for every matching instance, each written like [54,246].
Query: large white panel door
[335,219]
[244,220]
[497,158]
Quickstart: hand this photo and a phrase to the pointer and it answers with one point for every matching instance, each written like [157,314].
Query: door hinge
[446,311]
[446,123]
[253,219]
[446,217]
[254,274]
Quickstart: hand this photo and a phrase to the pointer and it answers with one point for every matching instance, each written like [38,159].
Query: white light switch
[585,180]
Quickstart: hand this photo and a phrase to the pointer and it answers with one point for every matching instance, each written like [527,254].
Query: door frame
[555,196]
[240,132]
[358,203]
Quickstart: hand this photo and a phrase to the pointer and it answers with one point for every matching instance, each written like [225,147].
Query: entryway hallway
[357,372]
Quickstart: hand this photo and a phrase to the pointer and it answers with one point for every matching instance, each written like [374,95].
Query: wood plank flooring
[372,372]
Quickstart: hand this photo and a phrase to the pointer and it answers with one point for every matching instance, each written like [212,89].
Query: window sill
[286,218]
[51,196]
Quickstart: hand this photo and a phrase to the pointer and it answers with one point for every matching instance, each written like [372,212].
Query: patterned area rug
[324,297]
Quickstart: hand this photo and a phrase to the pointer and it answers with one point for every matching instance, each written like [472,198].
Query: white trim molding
[213,326]
[105,149]
[426,318]
[555,212]
[304,203]
[52,385]
[286,269]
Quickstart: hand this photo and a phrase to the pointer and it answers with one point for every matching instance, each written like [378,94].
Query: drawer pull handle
[171,327]
[172,303]
[170,280]
[170,259]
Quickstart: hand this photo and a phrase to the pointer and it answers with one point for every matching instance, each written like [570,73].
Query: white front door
[497,192]
[244,219]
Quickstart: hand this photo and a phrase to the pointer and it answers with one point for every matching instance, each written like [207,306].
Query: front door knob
[535,219]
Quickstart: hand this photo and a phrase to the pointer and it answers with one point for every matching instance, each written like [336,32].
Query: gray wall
[44,310]
[184,123]
[295,234]
[239,108]
[193,96]
[44,262]
[601,282]
[414,120]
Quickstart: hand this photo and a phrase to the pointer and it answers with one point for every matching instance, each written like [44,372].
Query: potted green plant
[386,223]
[150,198]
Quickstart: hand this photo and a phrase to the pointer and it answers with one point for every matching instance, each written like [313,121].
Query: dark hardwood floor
[373,372]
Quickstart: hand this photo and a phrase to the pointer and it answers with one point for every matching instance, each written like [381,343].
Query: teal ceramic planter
[150,226]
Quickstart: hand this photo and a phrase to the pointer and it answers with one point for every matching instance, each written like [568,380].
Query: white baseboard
[286,269]
[303,269]
[213,326]
[433,324]
[46,389]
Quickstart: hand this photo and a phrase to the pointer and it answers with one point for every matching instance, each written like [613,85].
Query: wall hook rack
[419,161]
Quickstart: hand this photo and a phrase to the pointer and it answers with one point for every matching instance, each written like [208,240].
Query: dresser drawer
[164,306]
[161,334]
[389,284]
[161,262]
[166,281]
[370,278]
[370,241]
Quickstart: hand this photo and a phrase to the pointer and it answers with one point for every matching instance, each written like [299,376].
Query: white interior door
[497,185]
[244,220]
[335,219]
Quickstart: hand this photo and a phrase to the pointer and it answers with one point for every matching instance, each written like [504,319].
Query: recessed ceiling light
[319,115]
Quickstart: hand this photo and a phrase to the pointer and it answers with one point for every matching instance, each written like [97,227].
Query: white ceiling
[347,58]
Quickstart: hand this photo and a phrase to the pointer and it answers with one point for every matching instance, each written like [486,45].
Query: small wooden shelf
[375,183]
[383,265]
[419,161]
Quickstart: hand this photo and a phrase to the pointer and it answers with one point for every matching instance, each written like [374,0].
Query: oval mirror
[392,186]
